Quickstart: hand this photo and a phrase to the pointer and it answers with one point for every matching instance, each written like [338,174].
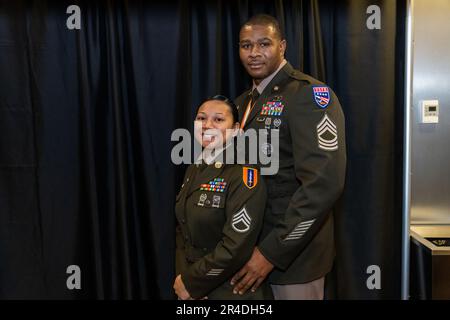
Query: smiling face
[211,123]
[261,50]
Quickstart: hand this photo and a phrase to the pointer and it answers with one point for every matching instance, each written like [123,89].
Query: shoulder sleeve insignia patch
[322,96]
[250,177]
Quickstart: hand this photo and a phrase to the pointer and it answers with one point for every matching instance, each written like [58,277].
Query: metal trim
[409,45]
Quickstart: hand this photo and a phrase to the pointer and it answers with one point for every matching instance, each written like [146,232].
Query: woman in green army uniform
[219,209]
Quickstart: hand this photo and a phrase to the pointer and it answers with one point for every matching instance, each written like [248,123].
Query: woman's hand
[180,289]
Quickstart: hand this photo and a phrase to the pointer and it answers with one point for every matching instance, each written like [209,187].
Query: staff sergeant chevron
[241,221]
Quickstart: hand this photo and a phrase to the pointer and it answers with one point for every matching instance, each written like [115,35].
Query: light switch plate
[429,111]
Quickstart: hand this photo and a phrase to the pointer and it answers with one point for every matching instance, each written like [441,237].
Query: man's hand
[252,274]
[180,289]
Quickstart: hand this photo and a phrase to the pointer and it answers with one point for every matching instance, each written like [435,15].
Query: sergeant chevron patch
[214,272]
[299,230]
[241,221]
[327,134]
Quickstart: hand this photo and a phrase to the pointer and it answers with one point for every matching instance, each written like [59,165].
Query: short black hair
[228,102]
[265,20]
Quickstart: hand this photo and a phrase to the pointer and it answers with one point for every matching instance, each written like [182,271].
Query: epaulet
[304,77]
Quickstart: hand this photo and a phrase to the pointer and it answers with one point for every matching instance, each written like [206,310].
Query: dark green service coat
[220,211]
[297,234]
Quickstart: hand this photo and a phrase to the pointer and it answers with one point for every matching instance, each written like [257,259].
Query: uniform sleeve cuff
[266,248]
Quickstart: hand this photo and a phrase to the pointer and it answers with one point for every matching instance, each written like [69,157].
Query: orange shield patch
[250,177]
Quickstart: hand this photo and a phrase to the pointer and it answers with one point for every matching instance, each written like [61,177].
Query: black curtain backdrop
[86,118]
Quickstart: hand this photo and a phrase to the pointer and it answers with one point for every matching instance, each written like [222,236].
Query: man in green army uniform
[296,246]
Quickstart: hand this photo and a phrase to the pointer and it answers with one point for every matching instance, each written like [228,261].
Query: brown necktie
[251,104]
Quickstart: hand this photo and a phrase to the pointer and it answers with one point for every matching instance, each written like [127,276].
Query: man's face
[260,50]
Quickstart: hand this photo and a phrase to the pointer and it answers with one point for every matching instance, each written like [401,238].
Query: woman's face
[211,124]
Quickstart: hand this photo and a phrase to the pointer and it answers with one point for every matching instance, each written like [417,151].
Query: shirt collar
[209,157]
[263,84]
